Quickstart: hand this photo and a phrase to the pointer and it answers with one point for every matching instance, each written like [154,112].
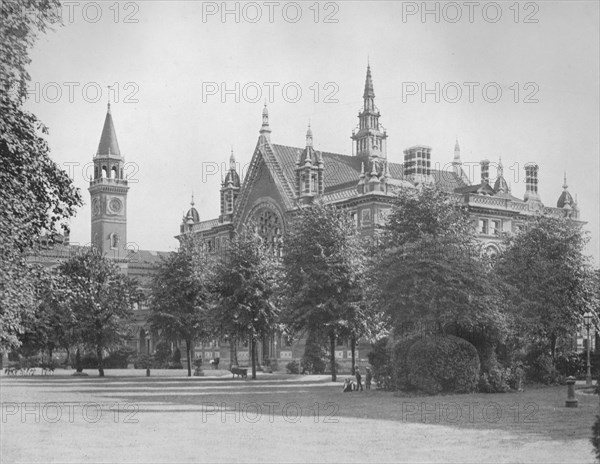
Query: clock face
[115,205]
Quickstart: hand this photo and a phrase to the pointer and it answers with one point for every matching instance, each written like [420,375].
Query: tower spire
[371,137]
[265,130]
[108,140]
[309,136]
[232,160]
[565,186]
[457,152]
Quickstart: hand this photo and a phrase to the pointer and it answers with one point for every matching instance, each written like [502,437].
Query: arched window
[113,172]
[95,172]
[269,229]
[114,241]
[104,172]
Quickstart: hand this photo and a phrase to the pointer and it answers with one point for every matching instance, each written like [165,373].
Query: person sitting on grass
[348,386]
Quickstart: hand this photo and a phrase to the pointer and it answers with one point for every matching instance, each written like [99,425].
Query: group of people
[350,385]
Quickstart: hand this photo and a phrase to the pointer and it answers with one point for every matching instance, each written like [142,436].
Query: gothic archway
[268,223]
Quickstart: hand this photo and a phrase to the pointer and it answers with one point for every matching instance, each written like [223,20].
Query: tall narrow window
[483,226]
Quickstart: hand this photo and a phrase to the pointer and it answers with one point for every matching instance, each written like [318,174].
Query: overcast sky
[167,60]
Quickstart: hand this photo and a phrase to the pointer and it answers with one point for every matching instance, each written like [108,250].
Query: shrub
[380,359]
[312,361]
[399,369]
[570,363]
[438,364]
[144,361]
[540,369]
[119,358]
[177,356]
[594,362]
[163,353]
[293,367]
[496,380]
[89,361]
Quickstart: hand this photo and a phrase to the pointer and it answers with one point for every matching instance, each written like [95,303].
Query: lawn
[280,418]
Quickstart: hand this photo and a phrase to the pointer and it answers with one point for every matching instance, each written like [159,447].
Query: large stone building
[281,178]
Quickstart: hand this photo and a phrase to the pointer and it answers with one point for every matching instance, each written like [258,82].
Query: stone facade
[281,179]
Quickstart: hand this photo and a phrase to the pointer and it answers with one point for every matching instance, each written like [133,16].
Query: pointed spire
[232,160]
[309,136]
[369,92]
[108,140]
[192,202]
[265,129]
[457,152]
[501,186]
[565,186]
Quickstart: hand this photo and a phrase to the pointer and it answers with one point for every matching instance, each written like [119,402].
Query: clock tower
[108,192]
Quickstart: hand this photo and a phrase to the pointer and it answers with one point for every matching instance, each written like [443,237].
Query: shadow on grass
[538,410]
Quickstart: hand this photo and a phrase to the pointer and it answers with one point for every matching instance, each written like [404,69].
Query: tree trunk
[50,356]
[78,361]
[253,354]
[233,360]
[188,349]
[353,348]
[100,361]
[552,346]
[332,355]
[68,358]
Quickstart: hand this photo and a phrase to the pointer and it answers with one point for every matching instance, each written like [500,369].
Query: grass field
[279,418]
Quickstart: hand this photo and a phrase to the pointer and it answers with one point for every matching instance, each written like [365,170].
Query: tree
[179,296]
[52,325]
[101,299]
[322,269]
[428,273]
[244,287]
[36,195]
[552,279]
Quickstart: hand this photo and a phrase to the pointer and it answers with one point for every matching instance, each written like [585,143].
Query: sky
[516,80]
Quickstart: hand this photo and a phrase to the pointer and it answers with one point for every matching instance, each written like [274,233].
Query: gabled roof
[342,171]
[108,140]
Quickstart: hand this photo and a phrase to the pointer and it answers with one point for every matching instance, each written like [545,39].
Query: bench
[239,372]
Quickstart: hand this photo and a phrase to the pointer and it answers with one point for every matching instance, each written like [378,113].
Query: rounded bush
[399,362]
[439,363]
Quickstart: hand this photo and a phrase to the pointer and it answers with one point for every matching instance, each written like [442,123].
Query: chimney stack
[485,171]
[417,164]
[531,182]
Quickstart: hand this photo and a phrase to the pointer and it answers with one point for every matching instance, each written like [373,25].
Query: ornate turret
[566,201]
[190,218]
[501,186]
[230,190]
[370,139]
[309,171]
